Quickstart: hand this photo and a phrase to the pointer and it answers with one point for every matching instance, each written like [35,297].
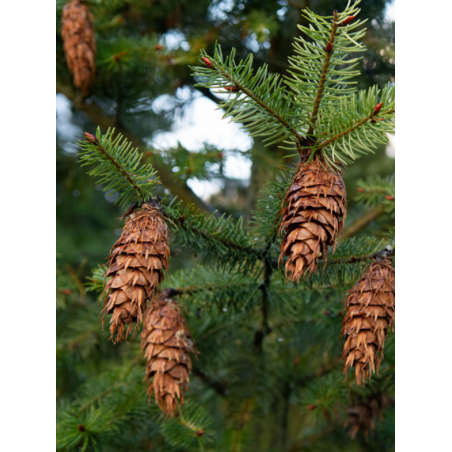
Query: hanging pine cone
[165,340]
[313,219]
[79,44]
[362,415]
[370,313]
[136,266]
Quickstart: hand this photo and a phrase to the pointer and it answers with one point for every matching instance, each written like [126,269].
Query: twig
[126,175]
[189,290]
[353,259]
[350,129]
[95,399]
[251,95]
[99,116]
[362,222]
[182,224]
[321,86]
[265,288]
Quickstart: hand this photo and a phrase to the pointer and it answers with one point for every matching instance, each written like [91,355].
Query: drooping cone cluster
[79,43]
[362,415]
[370,314]
[166,342]
[313,219]
[136,266]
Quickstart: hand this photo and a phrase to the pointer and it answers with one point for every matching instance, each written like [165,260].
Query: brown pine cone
[362,415]
[79,43]
[313,219]
[370,313]
[136,266]
[166,342]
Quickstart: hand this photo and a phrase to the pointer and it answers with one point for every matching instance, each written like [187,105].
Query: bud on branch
[91,138]
[207,62]
[378,108]
[329,48]
[348,20]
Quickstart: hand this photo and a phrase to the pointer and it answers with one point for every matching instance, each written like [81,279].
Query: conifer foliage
[318,112]
[237,298]
[79,43]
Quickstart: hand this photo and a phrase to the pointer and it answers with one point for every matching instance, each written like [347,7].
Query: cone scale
[370,314]
[166,342]
[313,219]
[136,266]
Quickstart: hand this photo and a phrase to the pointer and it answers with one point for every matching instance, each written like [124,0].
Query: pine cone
[136,266]
[370,313]
[313,219]
[165,340]
[362,415]
[79,43]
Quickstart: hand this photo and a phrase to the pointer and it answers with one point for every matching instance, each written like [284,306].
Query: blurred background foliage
[144,89]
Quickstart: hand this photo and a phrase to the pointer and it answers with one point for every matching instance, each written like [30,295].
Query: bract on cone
[166,342]
[313,219]
[370,314]
[136,266]
[79,44]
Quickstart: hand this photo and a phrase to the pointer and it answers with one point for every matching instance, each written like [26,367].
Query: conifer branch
[186,226]
[99,116]
[95,142]
[362,222]
[94,399]
[118,166]
[257,101]
[328,52]
[347,131]
[227,243]
[265,288]
[354,259]
[343,133]
[191,290]
[265,106]
[377,191]
[321,70]
[242,297]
